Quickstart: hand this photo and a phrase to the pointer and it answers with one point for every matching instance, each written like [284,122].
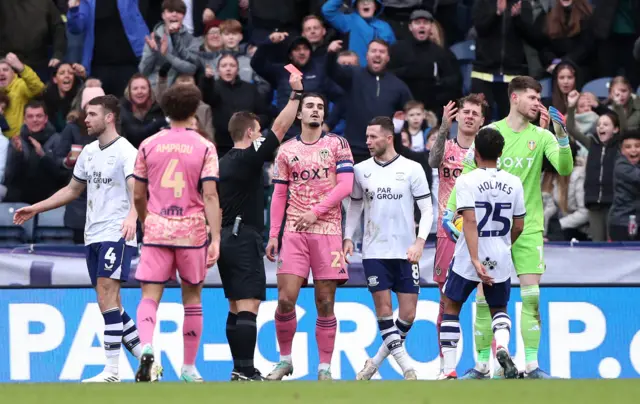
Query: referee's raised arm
[241,262]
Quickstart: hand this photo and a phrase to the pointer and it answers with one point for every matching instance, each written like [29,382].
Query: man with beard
[105,168]
[431,71]
[370,91]
[525,148]
[316,169]
[266,64]
[446,156]
[386,186]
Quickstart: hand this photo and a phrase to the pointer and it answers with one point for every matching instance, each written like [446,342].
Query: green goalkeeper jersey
[522,156]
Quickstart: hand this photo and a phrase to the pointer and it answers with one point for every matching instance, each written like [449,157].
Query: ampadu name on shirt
[174,148]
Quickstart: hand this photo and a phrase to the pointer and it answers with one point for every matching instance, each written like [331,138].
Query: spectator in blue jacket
[370,91]
[114,36]
[266,64]
[363,26]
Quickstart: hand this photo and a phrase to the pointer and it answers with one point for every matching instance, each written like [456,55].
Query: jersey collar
[299,138]
[386,163]
[110,143]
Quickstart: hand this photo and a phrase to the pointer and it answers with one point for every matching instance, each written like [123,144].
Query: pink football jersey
[174,162]
[449,170]
[310,171]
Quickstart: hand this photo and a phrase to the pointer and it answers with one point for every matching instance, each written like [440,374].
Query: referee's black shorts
[241,264]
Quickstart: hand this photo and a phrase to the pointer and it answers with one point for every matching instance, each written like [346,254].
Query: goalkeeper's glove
[449,227]
[559,126]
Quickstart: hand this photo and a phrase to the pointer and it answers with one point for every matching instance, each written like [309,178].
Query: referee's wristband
[296,95]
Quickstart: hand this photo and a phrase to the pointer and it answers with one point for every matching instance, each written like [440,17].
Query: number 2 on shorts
[337,259]
[173,179]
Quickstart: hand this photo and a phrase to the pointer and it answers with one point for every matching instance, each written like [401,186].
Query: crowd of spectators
[367,57]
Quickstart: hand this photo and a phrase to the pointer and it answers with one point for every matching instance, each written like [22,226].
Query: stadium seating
[547,87]
[599,87]
[10,234]
[465,53]
[50,228]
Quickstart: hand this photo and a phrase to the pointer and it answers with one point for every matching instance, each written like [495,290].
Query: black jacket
[577,48]
[227,98]
[499,45]
[31,178]
[605,14]
[626,192]
[367,95]
[598,183]
[431,72]
[136,130]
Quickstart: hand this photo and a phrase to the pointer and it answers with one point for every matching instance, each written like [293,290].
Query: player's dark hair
[523,83]
[180,103]
[178,6]
[475,99]
[379,41]
[489,143]
[239,123]
[36,104]
[109,103]
[386,124]
[313,95]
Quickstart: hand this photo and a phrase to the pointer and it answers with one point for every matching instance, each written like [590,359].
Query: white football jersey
[497,198]
[389,191]
[105,170]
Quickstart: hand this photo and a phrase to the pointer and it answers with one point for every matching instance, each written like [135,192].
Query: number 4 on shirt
[173,179]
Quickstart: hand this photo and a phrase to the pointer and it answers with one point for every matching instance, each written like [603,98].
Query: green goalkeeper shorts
[528,254]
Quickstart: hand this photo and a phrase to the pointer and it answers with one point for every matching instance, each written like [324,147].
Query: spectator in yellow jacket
[21,85]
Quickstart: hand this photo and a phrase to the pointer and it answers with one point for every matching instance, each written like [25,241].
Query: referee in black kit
[241,262]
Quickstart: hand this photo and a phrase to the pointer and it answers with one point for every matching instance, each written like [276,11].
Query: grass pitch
[419,392]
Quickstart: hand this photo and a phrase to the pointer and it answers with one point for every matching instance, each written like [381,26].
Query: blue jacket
[81,20]
[314,75]
[367,95]
[360,31]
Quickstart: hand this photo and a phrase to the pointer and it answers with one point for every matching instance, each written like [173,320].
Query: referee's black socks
[231,332]
[244,342]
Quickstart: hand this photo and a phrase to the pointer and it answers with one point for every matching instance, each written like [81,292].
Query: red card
[292,69]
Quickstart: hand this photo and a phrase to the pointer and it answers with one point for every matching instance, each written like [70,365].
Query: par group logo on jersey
[531,145]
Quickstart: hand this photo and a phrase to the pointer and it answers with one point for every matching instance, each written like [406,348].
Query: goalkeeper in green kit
[525,147]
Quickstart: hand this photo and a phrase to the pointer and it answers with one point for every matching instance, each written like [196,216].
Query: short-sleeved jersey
[175,162]
[449,170]
[310,171]
[496,197]
[389,191]
[522,156]
[105,170]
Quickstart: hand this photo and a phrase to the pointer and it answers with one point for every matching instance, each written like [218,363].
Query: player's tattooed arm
[437,151]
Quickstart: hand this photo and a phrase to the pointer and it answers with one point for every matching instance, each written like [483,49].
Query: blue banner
[55,334]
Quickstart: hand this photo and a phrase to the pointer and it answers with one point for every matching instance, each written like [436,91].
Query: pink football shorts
[322,253]
[158,264]
[444,254]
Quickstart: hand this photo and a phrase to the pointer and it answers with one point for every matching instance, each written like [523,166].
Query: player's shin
[393,342]
[191,333]
[112,338]
[286,324]
[130,336]
[501,325]
[326,328]
[530,324]
[146,317]
[449,338]
[245,335]
[482,334]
